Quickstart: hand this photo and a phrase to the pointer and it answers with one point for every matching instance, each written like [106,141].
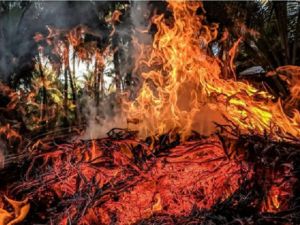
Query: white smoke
[108,114]
[101,119]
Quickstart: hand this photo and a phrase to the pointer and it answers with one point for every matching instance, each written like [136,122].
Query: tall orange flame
[181,80]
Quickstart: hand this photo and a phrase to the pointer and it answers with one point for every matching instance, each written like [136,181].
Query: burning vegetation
[151,117]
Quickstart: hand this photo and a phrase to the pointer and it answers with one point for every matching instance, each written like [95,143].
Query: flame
[278,194]
[157,206]
[11,135]
[95,152]
[63,40]
[180,80]
[272,202]
[291,75]
[21,209]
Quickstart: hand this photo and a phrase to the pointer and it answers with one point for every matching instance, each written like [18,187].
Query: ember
[140,114]
[104,177]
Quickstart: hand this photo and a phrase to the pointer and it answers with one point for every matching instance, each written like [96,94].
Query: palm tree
[270,30]
[270,38]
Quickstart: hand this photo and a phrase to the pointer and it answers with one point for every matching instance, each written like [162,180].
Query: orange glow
[10,134]
[21,209]
[181,80]
[291,75]
[272,202]
[278,194]
[124,178]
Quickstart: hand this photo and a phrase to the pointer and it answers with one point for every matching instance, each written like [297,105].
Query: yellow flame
[181,79]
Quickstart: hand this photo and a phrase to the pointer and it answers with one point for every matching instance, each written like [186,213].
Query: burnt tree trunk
[297,36]
[75,98]
[96,85]
[72,85]
[66,94]
[281,19]
[225,59]
[115,46]
[101,78]
[44,93]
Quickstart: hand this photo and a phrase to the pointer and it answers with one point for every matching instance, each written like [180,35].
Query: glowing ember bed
[118,180]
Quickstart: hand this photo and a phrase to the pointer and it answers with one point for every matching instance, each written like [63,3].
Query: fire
[290,74]
[21,209]
[278,193]
[75,181]
[180,80]
[195,174]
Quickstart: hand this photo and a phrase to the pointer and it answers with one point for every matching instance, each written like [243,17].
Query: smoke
[18,48]
[19,24]
[109,113]
[140,13]
[20,21]
[102,118]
